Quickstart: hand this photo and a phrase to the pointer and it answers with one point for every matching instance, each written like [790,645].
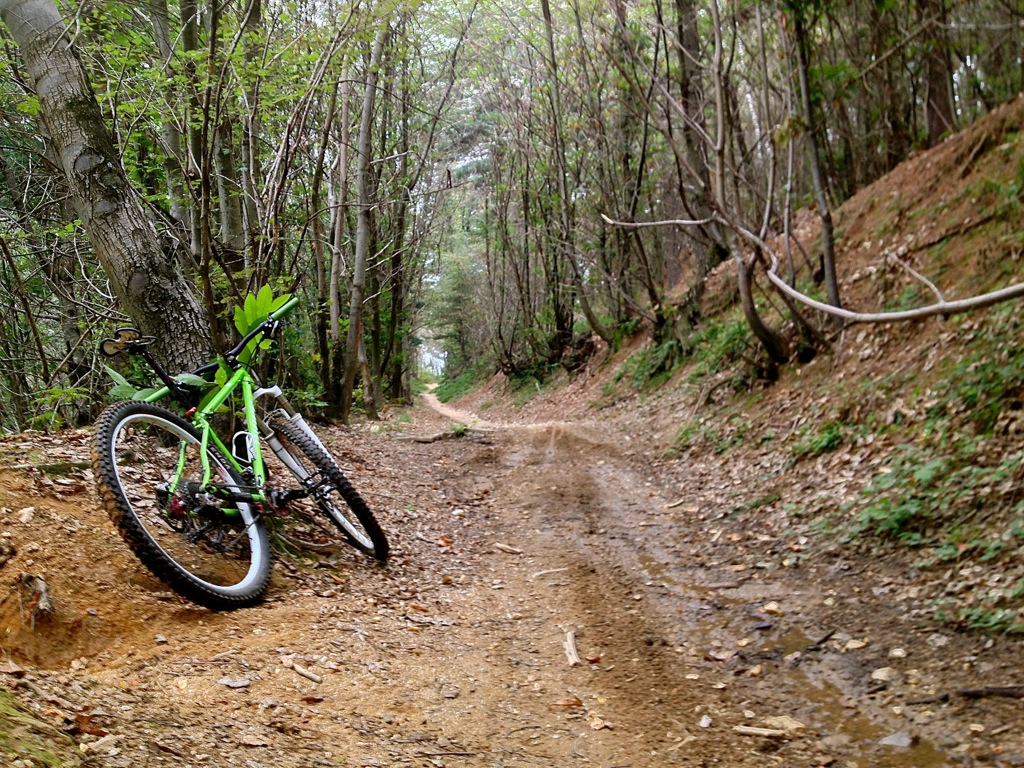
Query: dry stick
[1009,691]
[752,730]
[302,671]
[570,649]
[897,260]
[938,308]
[545,573]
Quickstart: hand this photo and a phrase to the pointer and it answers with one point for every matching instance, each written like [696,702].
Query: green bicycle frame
[201,420]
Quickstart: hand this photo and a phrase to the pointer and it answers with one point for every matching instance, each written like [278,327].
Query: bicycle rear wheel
[149,469]
[331,494]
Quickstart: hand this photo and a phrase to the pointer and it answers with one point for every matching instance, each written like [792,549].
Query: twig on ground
[1008,691]
[570,649]
[538,574]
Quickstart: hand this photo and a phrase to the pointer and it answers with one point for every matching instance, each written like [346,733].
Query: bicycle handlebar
[267,328]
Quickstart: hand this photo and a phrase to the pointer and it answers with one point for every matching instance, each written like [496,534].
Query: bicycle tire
[216,554]
[314,467]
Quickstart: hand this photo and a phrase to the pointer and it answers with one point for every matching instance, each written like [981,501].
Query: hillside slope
[904,440]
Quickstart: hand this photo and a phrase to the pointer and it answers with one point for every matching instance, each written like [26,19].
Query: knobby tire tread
[133,532]
[329,467]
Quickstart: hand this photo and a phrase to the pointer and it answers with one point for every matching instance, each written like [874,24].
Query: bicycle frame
[255,427]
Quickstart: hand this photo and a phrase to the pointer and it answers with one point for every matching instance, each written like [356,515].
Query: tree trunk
[567,245]
[362,225]
[939,116]
[179,204]
[335,386]
[158,300]
[828,261]
[318,246]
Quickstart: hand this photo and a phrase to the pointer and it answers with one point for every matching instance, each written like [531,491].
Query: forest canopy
[434,175]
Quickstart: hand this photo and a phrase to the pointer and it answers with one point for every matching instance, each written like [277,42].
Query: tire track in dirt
[688,652]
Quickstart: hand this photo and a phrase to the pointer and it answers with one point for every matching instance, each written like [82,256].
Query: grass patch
[826,438]
[935,487]
[452,389]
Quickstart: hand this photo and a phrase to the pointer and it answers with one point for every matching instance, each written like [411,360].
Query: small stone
[234,682]
[705,722]
[937,641]
[884,675]
[26,514]
[897,653]
[772,609]
[902,740]
[784,723]
[159,639]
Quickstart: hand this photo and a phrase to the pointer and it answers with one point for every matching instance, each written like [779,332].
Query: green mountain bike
[193,509]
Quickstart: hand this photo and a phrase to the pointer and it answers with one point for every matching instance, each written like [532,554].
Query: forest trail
[456,654]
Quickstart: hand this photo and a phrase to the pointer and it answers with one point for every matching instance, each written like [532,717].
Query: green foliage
[930,489]
[50,403]
[987,619]
[718,344]
[651,365]
[720,436]
[827,437]
[253,311]
[987,377]
[452,389]
[125,390]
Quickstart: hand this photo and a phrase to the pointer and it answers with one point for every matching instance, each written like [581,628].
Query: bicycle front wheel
[329,490]
[148,464]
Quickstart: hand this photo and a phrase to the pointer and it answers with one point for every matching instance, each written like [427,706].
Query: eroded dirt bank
[693,650]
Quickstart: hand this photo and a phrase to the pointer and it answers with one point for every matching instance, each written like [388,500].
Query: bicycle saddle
[125,338]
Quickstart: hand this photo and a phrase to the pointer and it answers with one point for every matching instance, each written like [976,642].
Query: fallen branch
[298,669]
[508,549]
[39,598]
[570,649]
[753,730]
[538,574]
[56,466]
[1008,691]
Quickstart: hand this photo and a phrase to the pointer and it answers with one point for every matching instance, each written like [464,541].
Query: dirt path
[505,542]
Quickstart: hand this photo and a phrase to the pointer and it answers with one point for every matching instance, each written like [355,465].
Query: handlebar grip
[284,310]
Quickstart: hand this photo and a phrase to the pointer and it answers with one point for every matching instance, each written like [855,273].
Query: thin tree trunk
[26,307]
[179,202]
[939,115]
[828,260]
[362,224]
[567,245]
[318,247]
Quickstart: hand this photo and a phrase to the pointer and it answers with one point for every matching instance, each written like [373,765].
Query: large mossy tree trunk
[147,282]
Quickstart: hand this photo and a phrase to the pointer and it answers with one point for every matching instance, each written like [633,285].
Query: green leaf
[142,394]
[117,377]
[192,380]
[29,106]
[240,320]
[122,392]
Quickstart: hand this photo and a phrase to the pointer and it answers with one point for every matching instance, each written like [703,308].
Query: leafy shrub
[828,437]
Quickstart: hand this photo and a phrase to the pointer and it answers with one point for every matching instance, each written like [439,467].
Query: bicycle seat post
[176,389]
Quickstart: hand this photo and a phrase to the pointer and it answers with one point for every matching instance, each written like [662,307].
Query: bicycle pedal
[280,500]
